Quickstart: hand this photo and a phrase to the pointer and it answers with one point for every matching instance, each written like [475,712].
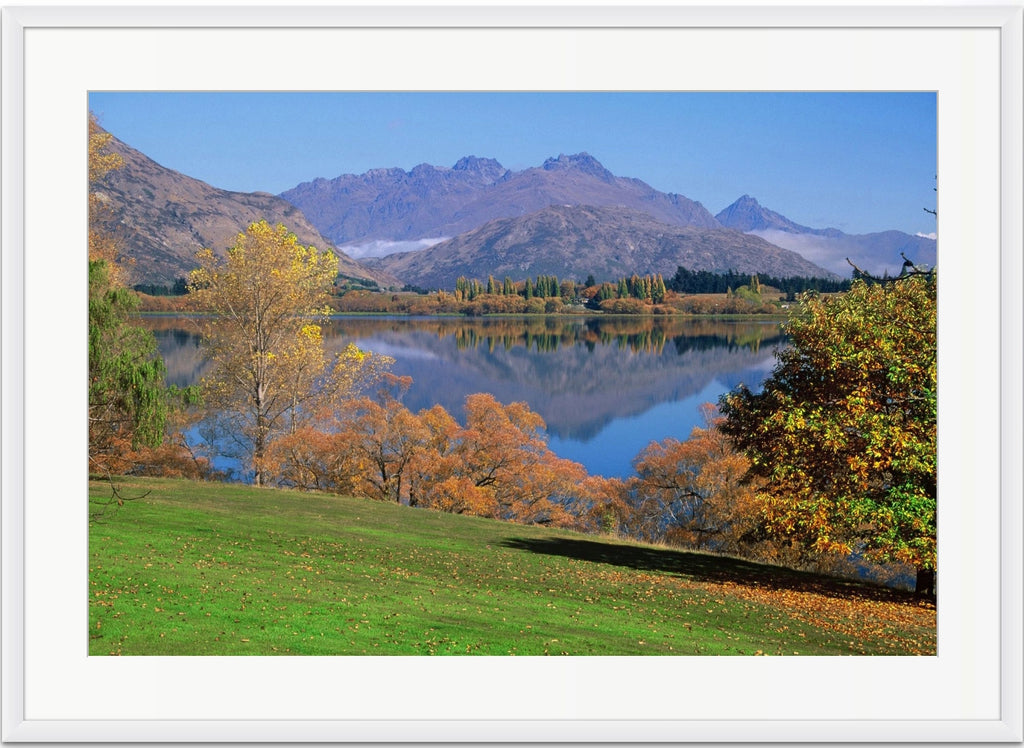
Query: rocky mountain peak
[747,214]
[582,162]
[384,174]
[487,167]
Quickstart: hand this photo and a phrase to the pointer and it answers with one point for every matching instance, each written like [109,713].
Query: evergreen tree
[658,291]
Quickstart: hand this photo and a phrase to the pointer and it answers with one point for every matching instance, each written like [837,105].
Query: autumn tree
[497,465]
[503,452]
[270,374]
[437,481]
[382,438]
[599,505]
[844,430]
[128,400]
[696,488]
[103,240]
[314,459]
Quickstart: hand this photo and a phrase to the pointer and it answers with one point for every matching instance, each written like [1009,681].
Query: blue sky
[860,162]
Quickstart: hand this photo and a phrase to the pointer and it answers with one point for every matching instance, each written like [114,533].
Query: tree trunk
[259,448]
[925,585]
[259,445]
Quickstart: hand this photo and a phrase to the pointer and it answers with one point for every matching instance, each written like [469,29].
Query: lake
[605,386]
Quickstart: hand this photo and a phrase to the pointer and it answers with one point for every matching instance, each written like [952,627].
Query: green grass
[224,569]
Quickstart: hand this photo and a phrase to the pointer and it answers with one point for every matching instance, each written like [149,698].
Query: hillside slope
[574,241]
[225,569]
[164,217]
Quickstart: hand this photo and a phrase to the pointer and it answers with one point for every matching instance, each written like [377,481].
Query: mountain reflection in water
[605,387]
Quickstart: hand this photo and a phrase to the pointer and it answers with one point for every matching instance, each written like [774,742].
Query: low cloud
[818,250]
[831,253]
[384,247]
[932,235]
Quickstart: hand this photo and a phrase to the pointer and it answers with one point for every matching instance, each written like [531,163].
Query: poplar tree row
[650,288]
[647,288]
[544,287]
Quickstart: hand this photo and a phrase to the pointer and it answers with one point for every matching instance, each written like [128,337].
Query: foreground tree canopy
[270,371]
[844,431]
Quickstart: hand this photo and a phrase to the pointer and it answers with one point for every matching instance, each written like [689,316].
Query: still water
[606,387]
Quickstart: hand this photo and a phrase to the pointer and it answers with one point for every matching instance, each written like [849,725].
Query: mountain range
[569,217]
[364,213]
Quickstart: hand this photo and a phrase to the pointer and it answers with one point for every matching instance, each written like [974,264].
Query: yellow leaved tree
[263,304]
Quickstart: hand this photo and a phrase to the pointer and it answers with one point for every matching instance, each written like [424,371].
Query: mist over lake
[605,387]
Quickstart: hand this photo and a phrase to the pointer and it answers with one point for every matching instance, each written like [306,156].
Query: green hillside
[225,569]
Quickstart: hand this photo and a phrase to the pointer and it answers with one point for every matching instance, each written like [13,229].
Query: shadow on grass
[703,567]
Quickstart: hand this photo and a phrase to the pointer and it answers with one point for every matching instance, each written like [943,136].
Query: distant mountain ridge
[877,253]
[392,205]
[576,241]
[568,217]
[164,217]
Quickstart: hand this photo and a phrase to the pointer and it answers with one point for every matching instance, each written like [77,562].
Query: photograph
[497,373]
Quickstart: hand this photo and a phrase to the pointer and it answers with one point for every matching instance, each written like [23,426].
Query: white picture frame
[970,53]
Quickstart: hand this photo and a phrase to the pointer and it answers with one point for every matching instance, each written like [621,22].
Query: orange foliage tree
[313,459]
[497,465]
[695,489]
[503,450]
[600,505]
[383,438]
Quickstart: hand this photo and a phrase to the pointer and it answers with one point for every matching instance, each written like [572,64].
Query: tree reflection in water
[605,386]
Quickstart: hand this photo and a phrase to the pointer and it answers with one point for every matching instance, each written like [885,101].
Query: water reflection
[604,386]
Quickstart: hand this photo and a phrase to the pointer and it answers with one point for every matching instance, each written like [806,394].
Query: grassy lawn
[224,569]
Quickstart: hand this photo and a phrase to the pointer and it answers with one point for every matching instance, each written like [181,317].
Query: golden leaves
[844,429]
[262,334]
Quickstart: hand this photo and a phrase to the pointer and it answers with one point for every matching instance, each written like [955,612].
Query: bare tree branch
[116,498]
[909,271]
